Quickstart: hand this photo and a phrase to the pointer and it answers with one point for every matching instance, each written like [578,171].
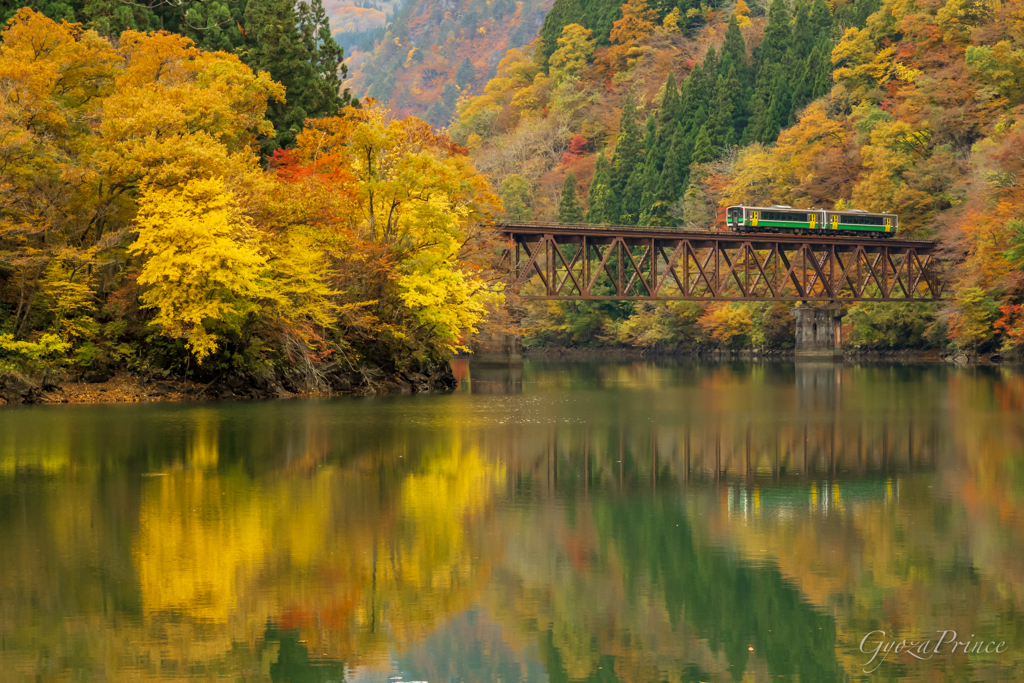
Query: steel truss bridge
[583,262]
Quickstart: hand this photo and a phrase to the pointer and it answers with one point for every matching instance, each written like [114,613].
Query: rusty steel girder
[590,262]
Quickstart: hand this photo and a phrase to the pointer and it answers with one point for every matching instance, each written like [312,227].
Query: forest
[662,114]
[191,191]
[180,212]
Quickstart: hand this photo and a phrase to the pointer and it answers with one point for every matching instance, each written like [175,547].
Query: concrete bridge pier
[819,332]
[496,349]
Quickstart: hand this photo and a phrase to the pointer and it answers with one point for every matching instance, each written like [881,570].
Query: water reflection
[611,522]
[484,379]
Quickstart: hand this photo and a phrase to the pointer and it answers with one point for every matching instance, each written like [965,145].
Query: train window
[862,220]
[784,216]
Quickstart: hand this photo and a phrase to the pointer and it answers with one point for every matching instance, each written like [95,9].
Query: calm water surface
[637,522]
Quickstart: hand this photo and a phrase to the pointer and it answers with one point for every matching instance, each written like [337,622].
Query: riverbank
[124,387]
[894,356]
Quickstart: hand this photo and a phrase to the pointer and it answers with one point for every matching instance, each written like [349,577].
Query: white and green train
[810,221]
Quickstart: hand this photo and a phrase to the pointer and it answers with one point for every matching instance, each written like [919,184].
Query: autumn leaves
[135,202]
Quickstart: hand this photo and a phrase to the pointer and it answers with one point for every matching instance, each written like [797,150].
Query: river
[615,521]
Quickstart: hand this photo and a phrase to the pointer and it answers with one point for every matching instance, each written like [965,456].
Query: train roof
[775,207]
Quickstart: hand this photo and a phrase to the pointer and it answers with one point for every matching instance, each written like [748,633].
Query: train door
[812,220]
[755,216]
[735,216]
[835,221]
[888,223]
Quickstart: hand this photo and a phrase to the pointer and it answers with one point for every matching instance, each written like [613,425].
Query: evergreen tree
[599,16]
[651,185]
[772,102]
[756,123]
[720,122]
[465,74]
[703,150]
[276,42]
[780,109]
[212,25]
[683,153]
[803,33]
[685,114]
[818,72]
[569,210]
[628,150]
[709,67]
[600,198]
[517,197]
[642,179]
[734,49]
[698,89]
[670,103]
[631,196]
[326,56]
[111,17]
[777,36]
[58,10]
[669,187]
[562,13]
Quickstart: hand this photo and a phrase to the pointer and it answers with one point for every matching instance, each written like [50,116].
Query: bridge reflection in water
[810,436]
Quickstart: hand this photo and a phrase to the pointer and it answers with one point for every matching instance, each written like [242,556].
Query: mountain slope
[435,51]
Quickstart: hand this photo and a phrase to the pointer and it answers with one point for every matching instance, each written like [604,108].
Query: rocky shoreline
[123,387]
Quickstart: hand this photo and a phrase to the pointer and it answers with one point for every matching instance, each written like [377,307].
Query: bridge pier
[496,348]
[819,331]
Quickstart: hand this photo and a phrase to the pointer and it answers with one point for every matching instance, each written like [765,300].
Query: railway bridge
[822,273]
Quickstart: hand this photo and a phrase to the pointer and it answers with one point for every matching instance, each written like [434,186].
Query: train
[781,218]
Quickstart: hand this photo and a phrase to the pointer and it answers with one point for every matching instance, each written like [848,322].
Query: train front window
[735,215]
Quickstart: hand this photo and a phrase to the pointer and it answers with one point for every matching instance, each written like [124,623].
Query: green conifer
[275,42]
[720,118]
[631,196]
[465,74]
[710,67]
[569,210]
[703,150]
[669,188]
[651,183]
[600,198]
[756,123]
[734,49]
[670,103]
[628,155]
[562,13]
[803,32]
[818,72]
[516,197]
[777,36]
[780,109]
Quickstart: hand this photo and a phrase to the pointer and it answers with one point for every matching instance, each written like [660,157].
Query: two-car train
[778,218]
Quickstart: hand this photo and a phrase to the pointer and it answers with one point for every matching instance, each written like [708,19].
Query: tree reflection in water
[616,521]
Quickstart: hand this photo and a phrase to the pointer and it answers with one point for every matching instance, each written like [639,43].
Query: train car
[781,218]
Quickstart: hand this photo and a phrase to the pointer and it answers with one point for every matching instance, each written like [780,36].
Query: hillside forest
[662,114]
[190,190]
[181,212]
[426,55]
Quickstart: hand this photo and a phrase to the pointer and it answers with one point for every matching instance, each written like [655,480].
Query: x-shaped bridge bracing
[588,262]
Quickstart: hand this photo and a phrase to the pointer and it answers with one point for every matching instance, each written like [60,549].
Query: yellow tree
[203,263]
[636,24]
[84,126]
[575,48]
[415,200]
